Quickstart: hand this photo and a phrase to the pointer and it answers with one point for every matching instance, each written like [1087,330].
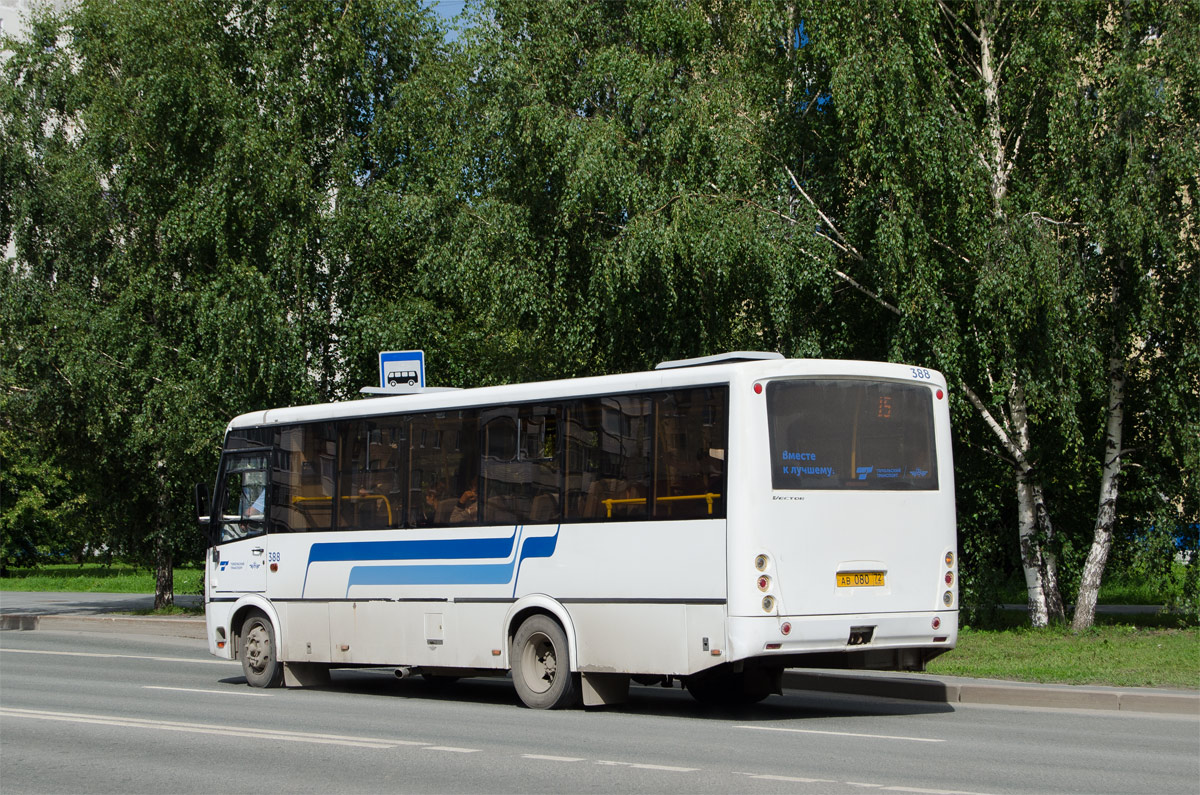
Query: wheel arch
[535,604]
[242,610]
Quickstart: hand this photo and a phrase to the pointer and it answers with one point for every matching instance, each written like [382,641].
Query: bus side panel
[707,640]
[361,632]
[443,634]
[306,631]
[681,561]
[648,638]
[480,630]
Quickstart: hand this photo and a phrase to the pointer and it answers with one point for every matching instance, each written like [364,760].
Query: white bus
[714,521]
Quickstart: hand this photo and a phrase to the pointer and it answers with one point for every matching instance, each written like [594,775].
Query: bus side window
[302,499]
[520,470]
[444,475]
[609,457]
[370,493]
[689,465]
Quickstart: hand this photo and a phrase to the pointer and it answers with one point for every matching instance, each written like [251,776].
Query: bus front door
[239,561]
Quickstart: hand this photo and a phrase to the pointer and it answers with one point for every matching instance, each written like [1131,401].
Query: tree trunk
[1033,527]
[1031,558]
[1106,513]
[164,575]
[1033,515]
[1048,561]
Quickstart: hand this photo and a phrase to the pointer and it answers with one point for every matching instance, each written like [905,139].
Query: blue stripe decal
[454,573]
[460,574]
[421,549]
[539,547]
[426,549]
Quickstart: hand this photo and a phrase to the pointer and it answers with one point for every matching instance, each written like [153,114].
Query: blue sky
[446,11]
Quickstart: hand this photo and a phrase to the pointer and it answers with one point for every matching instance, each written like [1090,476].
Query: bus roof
[688,372]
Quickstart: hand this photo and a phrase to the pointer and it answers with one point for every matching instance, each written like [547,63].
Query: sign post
[401,371]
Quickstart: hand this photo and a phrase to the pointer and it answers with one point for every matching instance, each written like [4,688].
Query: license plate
[860,579]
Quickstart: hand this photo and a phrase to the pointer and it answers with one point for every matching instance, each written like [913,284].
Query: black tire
[726,689]
[260,658]
[411,382]
[541,668]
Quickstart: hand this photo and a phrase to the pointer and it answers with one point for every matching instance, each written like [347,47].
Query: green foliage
[169,182]
[220,207]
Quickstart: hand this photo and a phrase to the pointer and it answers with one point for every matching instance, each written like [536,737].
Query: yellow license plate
[860,579]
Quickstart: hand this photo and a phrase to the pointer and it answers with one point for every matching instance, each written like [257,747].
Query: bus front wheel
[541,668]
[260,659]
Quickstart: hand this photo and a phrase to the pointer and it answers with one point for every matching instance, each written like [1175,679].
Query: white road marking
[796,779]
[122,656]
[553,758]
[240,692]
[644,766]
[451,749]
[841,734]
[882,787]
[205,728]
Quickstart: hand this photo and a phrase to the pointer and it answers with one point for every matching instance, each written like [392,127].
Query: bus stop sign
[401,371]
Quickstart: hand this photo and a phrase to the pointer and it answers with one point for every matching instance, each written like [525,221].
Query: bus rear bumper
[880,641]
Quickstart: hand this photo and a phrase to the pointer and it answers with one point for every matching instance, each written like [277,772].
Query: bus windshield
[851,434]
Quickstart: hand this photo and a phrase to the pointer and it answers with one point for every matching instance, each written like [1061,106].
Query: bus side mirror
[203,506]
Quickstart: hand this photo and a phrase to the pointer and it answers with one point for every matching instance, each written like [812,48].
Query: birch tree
[1125,119]
[1005,239]
[931,115]
[169,182]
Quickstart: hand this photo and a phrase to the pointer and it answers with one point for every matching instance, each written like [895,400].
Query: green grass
[173,610]
[1122,655]
[96,578]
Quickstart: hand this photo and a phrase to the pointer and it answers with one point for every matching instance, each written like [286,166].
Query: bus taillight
[764,582]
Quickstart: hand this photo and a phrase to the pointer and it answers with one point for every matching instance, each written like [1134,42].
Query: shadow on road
[651,701]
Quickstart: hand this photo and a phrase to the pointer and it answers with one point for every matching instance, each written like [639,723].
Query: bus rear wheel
[541,666]
[260,659]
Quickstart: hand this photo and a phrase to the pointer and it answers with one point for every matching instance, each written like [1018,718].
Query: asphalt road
[94,712]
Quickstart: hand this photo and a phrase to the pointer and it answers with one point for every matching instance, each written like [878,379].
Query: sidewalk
[97,612]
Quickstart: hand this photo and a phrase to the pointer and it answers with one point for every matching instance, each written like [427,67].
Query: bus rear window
[851,434]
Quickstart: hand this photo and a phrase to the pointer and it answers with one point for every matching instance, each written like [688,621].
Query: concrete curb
[130,625]
[939,690]
[949,691]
